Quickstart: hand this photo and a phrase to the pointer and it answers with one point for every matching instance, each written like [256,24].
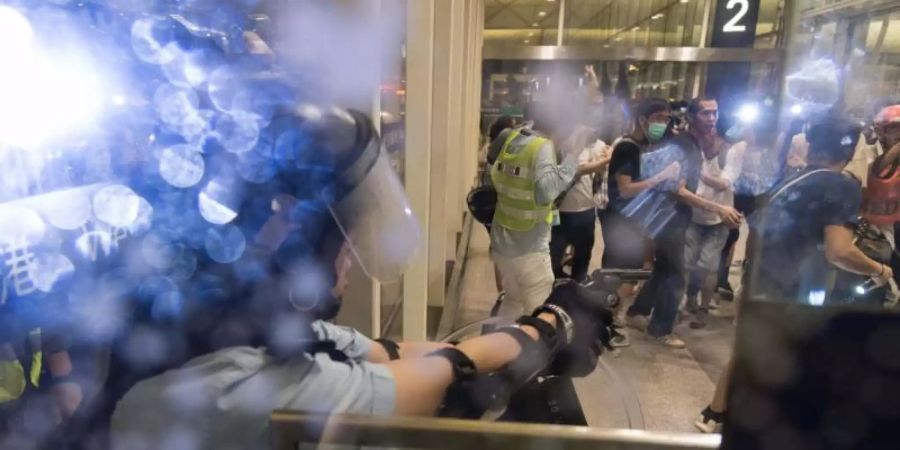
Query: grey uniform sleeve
[347,340]
[551,179]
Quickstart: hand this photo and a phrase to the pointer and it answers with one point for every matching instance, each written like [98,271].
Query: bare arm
[407,350]
[629,188]
[595,166]
[67,394]
[887,159]
[840,251]
[422,382]
[717,183]
[730,216]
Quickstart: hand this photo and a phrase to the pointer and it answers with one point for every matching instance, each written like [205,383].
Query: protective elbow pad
[391,347]
[536,355]
[463,367]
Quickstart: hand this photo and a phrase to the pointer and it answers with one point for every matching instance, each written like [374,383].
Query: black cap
[833,139]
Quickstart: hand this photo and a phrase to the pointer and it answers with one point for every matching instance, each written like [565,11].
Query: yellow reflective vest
[12,375]
[514,179]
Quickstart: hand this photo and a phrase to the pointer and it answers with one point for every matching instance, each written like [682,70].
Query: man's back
[550,180]
[791,263]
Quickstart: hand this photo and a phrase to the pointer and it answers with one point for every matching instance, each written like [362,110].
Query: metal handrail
[291,428]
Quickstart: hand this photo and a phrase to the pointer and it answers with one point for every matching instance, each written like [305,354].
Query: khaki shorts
[703,246]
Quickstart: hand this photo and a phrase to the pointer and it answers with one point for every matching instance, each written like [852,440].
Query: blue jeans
[661,295]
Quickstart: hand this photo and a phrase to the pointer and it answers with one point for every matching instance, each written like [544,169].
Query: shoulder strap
[792,182]
[509,139]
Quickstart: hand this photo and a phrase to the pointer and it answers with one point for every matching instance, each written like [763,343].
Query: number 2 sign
[733,25]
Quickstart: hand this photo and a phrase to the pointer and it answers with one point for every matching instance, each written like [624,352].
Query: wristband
[68,378]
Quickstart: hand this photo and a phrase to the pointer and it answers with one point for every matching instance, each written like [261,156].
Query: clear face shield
[374,215]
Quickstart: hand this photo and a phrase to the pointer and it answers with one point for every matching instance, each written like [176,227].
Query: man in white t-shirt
[706,235]
[577,214]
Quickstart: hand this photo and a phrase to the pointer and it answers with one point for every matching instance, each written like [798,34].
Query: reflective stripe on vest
[513,178]
[13,379]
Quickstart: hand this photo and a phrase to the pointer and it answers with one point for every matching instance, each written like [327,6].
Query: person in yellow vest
[528,179]
[36,390]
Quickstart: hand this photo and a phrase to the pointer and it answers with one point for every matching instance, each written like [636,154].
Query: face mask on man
[656,131]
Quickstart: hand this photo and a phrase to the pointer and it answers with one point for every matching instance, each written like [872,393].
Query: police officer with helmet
[239,208]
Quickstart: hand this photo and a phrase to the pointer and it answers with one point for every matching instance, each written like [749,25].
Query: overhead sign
[735,23]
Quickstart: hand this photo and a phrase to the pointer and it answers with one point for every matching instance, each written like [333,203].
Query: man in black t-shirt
[623,239]
[807,224]
[662,294]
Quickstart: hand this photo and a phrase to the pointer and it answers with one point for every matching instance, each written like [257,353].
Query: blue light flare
[182,165]
[225,245]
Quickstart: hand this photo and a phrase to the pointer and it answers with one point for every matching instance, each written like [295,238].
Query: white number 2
[731,26]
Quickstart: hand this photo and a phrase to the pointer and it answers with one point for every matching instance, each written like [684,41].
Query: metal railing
[290,429]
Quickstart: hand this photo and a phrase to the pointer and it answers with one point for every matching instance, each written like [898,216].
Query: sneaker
[699,320]
[638,322]
[691,305]
[710,421]
[726,291]
[671,341]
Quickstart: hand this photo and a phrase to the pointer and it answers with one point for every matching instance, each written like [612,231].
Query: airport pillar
[419,86]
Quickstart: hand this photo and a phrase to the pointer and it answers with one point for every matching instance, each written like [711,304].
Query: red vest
[881,202]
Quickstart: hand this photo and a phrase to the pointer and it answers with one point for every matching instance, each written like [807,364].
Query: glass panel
[522,22]
[634,23]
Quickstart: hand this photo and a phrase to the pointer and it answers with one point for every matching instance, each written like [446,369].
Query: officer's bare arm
[422,382]
[379,354]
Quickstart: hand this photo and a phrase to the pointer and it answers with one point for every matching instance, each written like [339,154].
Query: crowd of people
[673,198]
[175,291]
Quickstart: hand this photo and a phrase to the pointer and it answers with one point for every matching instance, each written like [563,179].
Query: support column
[419,70]
[472,113]
[439,246]
[455,199]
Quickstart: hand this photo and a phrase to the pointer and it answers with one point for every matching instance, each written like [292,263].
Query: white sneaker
[710,422]
[671,341]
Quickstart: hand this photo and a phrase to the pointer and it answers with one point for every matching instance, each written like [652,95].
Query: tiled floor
[672,386]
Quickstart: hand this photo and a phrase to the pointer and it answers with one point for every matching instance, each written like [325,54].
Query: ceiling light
[534,24]
[527,41]
[530,34]
[657,16]
[542,13]
[618,39]
[684,1]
